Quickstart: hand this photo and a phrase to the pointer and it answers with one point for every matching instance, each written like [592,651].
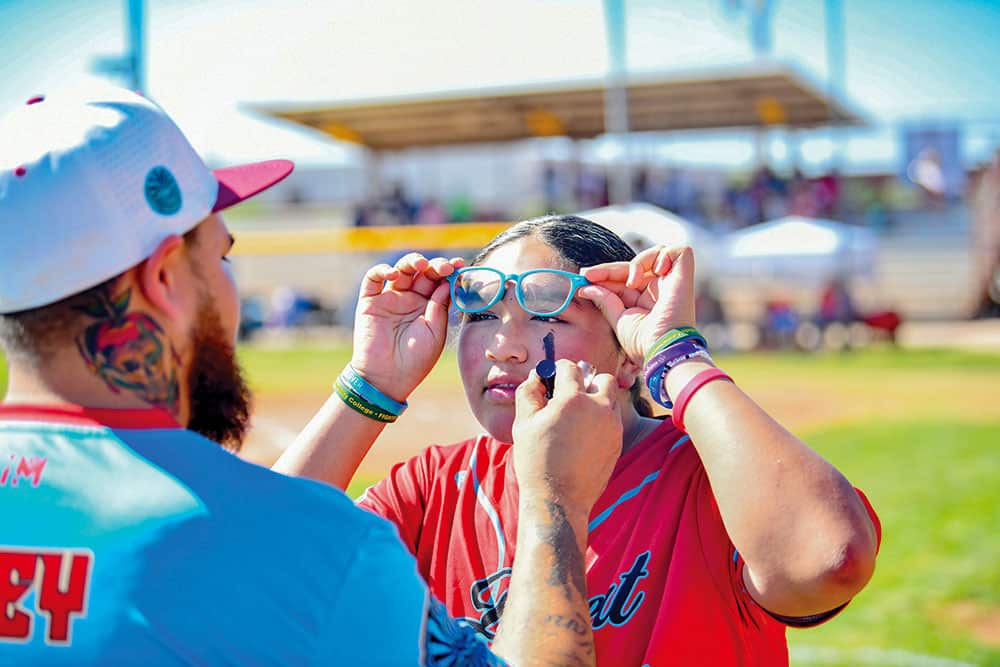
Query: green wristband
[359,404]
[675,336]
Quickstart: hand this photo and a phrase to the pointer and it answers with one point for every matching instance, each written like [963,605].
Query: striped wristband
[370,392]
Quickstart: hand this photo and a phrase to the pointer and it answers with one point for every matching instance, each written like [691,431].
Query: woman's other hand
[401,322]
[646,297]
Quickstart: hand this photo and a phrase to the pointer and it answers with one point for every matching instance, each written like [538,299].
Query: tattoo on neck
[129,351]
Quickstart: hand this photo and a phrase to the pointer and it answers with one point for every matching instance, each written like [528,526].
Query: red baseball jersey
[664,579]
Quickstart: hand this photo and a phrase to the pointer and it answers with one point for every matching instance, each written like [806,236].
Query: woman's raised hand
[401,322]
[646,297]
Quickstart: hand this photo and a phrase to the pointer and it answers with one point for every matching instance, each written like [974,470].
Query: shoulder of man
[259,505]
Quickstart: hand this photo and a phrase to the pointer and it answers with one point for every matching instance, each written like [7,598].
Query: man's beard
[219,396]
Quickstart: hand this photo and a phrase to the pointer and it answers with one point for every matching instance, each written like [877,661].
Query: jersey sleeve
[384,615]
[402,497]
[800,621]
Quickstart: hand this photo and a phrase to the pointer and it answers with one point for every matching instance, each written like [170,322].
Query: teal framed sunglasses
[541,292]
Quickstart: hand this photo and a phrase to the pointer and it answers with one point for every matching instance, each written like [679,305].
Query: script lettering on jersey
[61,583]
[619,604]
[616,607]
[22,468]
[488,598]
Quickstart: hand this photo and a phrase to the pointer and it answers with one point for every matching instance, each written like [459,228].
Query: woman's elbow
[851,568]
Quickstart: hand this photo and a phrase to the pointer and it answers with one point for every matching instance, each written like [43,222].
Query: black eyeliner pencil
[546,368]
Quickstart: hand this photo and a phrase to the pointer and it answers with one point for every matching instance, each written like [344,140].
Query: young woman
[706,543]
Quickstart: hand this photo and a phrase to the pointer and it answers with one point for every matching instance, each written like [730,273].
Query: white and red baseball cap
[91,181]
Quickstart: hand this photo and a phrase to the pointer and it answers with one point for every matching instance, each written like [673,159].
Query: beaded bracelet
[359,404]
[370,392]
[675,336]
[689,390]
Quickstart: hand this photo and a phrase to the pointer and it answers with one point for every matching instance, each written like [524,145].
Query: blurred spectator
[362,215]
[400,206]
[874,204]
[281,310]
[767,195]
[802,197]
[641,185]
[460,208]
[679,193]
[592,189]
[835,304]
[780,323]
[827,192]
[251,317]
[392,208]
[711,198]
[291,308]
[550,187]
[432,213]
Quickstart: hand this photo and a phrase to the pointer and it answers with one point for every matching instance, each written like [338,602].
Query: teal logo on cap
[162,192]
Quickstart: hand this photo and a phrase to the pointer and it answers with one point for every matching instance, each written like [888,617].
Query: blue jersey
[126,539]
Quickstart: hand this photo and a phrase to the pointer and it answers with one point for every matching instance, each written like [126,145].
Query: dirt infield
[434,417]
[438,416]
[438,412]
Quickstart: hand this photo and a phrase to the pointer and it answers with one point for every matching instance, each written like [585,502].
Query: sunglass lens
[545,293]
[476,289]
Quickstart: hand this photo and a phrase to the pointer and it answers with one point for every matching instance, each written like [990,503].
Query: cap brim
[244,181]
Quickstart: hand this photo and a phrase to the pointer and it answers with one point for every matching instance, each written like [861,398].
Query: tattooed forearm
[575,624]
[582,650]
[560,536]
[547,620]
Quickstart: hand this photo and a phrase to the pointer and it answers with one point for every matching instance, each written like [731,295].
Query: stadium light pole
[616,102]
[836,65]
[131,67]
[137,43]
[761,43]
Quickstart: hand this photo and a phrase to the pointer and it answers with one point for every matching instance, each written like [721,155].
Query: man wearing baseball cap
[128,535]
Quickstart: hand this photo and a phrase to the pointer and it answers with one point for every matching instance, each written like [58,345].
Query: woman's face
[498,348]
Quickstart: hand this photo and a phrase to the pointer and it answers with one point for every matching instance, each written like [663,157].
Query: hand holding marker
[546,368]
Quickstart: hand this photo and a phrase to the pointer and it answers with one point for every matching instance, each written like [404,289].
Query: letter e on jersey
[60,580]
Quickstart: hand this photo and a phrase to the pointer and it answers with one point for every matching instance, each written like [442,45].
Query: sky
[907,61]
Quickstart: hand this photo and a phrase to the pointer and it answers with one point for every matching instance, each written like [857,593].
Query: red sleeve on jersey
[402,497]
[814,619]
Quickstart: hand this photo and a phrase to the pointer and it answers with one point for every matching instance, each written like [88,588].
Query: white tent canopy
[798,248]
[644,225]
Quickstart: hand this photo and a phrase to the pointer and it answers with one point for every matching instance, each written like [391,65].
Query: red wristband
[693,385]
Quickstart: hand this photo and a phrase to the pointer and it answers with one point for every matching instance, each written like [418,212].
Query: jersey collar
[78,415]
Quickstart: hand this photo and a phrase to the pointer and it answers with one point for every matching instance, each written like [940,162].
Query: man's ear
[161,277]
[628,371]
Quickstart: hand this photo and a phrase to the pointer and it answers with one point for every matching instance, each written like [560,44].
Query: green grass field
[918,431]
